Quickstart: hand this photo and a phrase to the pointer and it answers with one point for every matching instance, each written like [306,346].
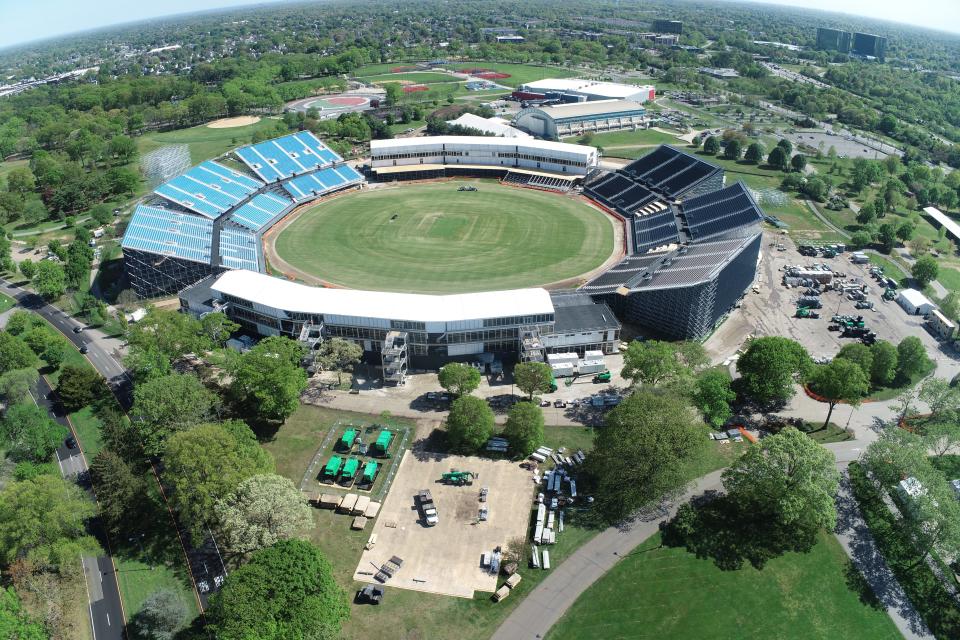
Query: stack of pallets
[388,569]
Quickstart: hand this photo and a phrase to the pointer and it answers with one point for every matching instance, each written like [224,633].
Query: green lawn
[519,73]
[204,142]
[416,77]
[615,142]
[948,464]
[87,427]
[950,278]
[432,238]
[662,593]
[10,165]
[401,127]
[6,302]
[891,269]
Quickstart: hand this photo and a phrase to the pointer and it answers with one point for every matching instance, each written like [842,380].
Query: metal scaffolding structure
[531,345]
[393,357]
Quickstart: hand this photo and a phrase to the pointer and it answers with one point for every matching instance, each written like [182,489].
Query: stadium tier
[721,212]
[239,249]
[287,156]
[260,210]
[209,189]
[674,173]
[169,233]
[321,182]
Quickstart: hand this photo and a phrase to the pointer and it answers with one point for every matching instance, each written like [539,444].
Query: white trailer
[546,559]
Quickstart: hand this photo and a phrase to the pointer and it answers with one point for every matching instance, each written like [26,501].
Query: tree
[31,434]
[123,148]
[15,385]
[15,354]
[912,358]
[217,327]
[769,367]
[21,181]
[860,354]
[80,386]
[778,158]
[524,428]
[147,363]
[15,622]
[905,231]
[166,405]
[469,424]
[338,355]
[941,398]
[172,333]
[840,381]
[754,154]
[44,519]
[54,353]
[655,362]
[711,146]
[161,615]
[786,145]
[120,492]
[649,441]
[28,268]
[798,162]
[533,378]
[942,437]
[458,378]
[866,215]
[260,512]
[925,270]
[887,237]
[950,305]
[733,150]
[787,481]
[49,279]
[860,240]
[712,396]
[286,591]
[268,380]
[883,369]
[206,463]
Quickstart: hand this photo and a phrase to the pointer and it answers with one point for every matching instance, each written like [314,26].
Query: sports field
[432,238]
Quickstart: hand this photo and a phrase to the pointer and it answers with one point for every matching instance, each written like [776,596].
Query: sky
[27,20]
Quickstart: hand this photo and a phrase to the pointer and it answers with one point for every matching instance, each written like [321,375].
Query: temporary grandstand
[212,216]
[556,121]
[439,156]
[693,245]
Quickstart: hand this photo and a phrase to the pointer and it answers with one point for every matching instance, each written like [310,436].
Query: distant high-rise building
[833,40]
[668,26]
[867,44]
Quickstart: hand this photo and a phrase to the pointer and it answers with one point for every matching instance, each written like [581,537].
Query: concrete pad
[445,559]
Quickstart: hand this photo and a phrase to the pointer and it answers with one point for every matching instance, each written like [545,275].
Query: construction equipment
[370,594]
[602,377]
[889,294]
[459,478]
[804,312]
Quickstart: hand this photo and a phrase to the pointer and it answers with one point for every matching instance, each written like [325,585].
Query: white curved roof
[579,85]
[479,141]
[284,295]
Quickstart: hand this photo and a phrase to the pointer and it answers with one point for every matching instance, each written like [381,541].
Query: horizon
[935,11]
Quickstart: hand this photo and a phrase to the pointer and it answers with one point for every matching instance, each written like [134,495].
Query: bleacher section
[654,230]
[721,212]
[284,157]
[549,183]
[260,210]
[169,233]
[209,189]
[321,182]
[669,171]
[238,249]
[619,274]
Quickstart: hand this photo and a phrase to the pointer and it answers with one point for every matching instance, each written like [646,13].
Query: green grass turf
[204,142]
[10,165]
[446,241]
[950,278]
[416,77]
[519,73]
[613,142]
[668,593]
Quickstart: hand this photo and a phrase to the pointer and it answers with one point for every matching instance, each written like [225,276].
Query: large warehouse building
[212,217]
[693,245]
[433,329]
[419,158]
[566,120]
[579,90]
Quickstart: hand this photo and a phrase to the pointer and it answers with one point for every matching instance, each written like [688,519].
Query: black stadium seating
[720,212]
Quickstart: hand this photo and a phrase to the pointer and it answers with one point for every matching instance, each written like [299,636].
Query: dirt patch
[415,87]
[229,123]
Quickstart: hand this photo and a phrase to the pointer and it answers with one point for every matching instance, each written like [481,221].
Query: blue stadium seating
[169,233]
[238,249]
[321,182]
[261,209]
[208,189]
[284,157]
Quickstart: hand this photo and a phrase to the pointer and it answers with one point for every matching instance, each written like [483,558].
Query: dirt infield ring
[332,104]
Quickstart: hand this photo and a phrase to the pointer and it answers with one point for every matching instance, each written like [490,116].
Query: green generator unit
[346,442]
[369,472]
[383,442]
[333,466]
[350,469]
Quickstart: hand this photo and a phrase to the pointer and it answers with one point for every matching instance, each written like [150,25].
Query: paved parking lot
[771,311]
[445,558]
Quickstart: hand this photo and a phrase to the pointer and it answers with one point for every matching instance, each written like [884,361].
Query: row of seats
[321,182]
[261,209]
[238,249]
[208,189]
[165,232]
[287,156]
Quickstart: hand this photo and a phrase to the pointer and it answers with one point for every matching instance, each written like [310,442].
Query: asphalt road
[103,593]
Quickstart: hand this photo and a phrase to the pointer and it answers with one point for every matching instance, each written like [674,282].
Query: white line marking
[93,627]
[108,619]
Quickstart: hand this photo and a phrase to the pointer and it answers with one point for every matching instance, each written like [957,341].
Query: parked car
[71,442]
[78,329]
[84,348]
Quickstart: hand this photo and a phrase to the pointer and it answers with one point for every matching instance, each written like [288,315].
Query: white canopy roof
[290,296]
[381,146]
[496,126]
[595,87]
[944,220]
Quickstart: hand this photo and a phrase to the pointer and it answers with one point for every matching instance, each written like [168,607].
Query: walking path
[857,541]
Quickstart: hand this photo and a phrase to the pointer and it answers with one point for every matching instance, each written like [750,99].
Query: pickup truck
[427,509]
